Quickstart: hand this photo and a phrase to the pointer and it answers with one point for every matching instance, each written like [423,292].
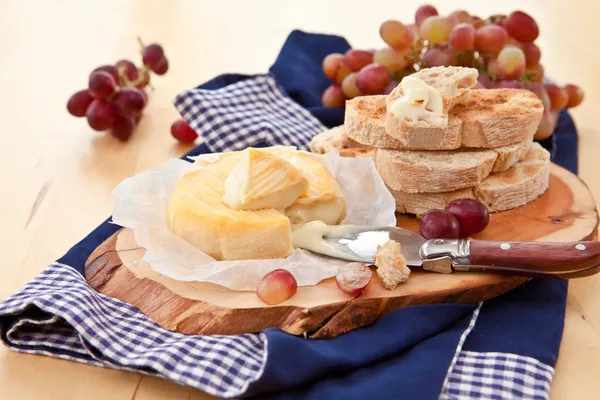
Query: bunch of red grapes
[501,47]
[115,97]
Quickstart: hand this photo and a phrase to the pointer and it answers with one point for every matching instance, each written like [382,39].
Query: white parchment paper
[140,203]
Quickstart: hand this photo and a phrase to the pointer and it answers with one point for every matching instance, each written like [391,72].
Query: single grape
[122,127]
[472,215]
[540,91]
[276,287]
[535,74]
[390,86]
[127,71]
[353,278]
[333,97]
[490,39]
[532,54]
[331,64]
[459,16]
[152,55]
[181,131]
[462,37]
[485,81]
[396,34]
[349,86]
[372,79]
[112,70]
[161,67]
[100,115]
[129,101]
[79,103]
[511,62]
[558,96]
[575,95]
[522,26]
[393,60]
[436,29]
[424,12]
[356,59]
[342,72]
[438,224]
[102,84]
[547,125]
[438,56]
[509,84]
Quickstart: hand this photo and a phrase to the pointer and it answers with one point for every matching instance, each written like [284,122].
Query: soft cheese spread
[239,207]
[420,102]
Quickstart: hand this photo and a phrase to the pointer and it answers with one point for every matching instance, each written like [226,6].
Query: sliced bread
[435,93]
[515,187]
[443,171]
[490,118]
[336,139]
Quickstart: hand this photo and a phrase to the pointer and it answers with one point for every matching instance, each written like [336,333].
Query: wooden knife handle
[538,259]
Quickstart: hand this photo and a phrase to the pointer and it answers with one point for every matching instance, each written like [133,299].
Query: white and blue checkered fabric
[251,113]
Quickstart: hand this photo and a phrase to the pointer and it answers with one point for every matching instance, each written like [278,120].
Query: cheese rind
[263,180]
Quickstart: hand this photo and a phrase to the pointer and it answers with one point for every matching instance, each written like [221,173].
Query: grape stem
[141,43]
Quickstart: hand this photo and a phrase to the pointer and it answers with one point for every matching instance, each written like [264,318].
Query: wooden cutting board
[566,212]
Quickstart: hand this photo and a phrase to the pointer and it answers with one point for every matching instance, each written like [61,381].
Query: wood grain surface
[57,174]
[116,268]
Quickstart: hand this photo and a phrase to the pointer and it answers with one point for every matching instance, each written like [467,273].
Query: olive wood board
[566,212]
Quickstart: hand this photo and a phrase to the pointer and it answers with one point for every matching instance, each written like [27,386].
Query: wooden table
[58,174]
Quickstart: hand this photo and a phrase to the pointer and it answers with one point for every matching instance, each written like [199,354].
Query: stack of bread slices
[435,139]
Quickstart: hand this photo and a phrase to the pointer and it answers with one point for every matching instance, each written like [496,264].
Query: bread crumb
[391,265]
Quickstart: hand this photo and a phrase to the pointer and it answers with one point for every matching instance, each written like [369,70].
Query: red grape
[436,29]
[438,224]
[547,125]
[459,16]
[390,86]
[127,70]
[122,127]
[575,95]
[558,96]
[535,74]
[161,67]
[522,27]
[129,101]
[349,86]
[372,79]
[183,132]
[423,12]
[356,59]
[462,37]
[396,34]
[465,58]
[333,97]
[490,39]
[485,81]
[437,56]
[540,91]
[532,54]
[353,278]
[331,64]
[342,72]
[102,84]
[100,115]
[511,62]
[152,55]
[276,287]
[112,70]
[79,103]
[472,215]
[510,84]
[393,60]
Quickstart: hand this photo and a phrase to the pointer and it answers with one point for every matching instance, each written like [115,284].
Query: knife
[533,259]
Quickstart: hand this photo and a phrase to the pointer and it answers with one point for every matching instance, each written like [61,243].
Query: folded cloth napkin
[503,348]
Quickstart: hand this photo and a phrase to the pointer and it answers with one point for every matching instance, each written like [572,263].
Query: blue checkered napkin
[58,314]
[253,112]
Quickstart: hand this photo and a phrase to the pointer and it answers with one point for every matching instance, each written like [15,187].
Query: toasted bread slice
[490,118]
[452,84]
[336,139]
[515,187]
[423,171]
